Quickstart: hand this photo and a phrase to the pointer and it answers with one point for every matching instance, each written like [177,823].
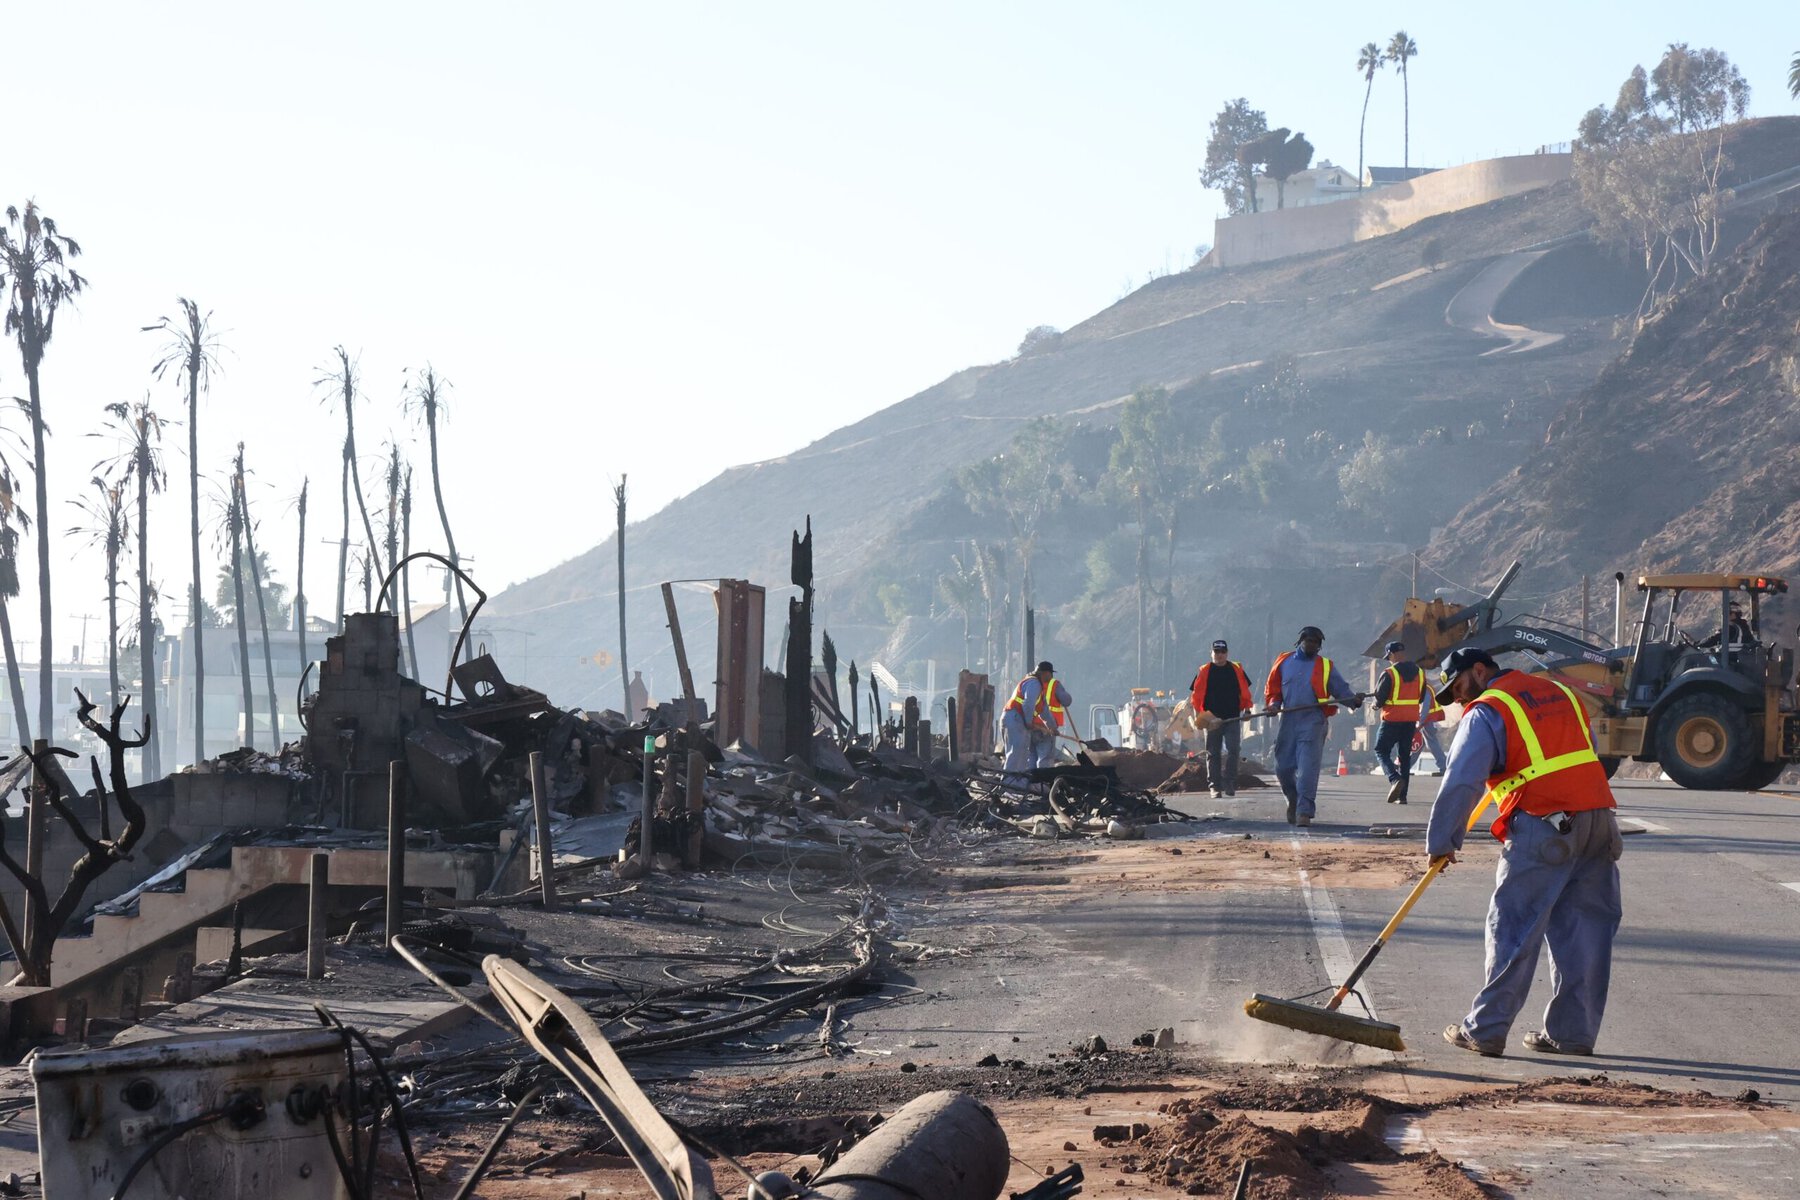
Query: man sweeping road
[1300,686]
[1525,739]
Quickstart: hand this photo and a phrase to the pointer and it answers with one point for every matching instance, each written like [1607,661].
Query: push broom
[1328,1021]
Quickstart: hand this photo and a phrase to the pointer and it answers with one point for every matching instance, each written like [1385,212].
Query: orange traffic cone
[1343,764]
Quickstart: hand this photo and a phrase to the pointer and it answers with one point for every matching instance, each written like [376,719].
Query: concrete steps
[209,892]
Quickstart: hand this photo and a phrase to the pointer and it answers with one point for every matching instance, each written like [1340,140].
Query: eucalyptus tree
[192,355]
[1369,60]
[1401,50]
[341,384]
[35,271]
[140,467]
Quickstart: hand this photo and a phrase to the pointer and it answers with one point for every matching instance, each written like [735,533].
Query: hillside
[1364,329]
[1684,455]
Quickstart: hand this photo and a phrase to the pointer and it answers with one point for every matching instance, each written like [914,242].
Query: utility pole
[81,650]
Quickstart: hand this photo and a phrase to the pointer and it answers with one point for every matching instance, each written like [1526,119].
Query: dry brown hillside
[1685,453]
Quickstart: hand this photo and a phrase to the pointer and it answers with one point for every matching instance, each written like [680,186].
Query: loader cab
[1687,634]
[1711,696]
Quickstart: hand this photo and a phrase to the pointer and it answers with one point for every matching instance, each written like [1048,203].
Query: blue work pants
[1299,745]
[1394,741]
[1562,888]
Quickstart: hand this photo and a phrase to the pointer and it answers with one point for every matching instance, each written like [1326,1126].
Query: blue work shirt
[1297,689]
[1477,753]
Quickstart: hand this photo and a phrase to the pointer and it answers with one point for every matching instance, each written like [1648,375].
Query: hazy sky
[666,238]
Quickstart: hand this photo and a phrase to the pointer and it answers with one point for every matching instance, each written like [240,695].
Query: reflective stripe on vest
[1058,714]
[1506,792]
[1400,705]
[1017,703]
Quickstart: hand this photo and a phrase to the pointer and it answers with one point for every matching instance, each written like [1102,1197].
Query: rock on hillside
[1684,455]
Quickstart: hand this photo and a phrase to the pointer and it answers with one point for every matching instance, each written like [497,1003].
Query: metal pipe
[945,1145]
[396,850]
[540,814]
[1618,608]
[950,726]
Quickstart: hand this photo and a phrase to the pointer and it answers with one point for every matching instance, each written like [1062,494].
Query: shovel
[1207,721]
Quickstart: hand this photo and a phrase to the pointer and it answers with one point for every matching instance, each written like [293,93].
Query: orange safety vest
[1045,703]
[1321,672]
[1436,712]
[1059,715]
[1551,766]
[1197,694]
[1404,695]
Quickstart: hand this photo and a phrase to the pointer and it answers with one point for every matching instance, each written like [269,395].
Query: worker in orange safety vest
[1301,686]
[1400,693]
[1524,740]
[1029,725]
[1222,690]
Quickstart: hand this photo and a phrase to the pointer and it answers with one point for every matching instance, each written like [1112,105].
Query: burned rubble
[431,876]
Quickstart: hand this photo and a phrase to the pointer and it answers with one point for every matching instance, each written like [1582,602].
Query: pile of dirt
[1142,770]
[1199,1153]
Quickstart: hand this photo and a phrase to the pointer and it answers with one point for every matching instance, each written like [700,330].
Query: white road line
[1646,826]
[1794,886]
[1328,929]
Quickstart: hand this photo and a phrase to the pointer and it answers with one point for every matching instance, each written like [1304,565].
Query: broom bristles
[1324,1022]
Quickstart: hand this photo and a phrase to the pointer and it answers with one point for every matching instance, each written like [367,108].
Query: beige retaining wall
[1259,237]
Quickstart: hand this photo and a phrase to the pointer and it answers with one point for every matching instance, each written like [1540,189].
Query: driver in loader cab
[1737,634]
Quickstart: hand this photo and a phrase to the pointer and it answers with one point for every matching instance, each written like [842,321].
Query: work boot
[1396,793]
[1216,793]
[1461,1038]
[1543,1043]
[1304,821]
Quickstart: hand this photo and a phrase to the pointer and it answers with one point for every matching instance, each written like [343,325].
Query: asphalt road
[1702,995]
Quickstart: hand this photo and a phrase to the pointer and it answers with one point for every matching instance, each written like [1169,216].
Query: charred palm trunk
[344,541]
[151,759]
[300,582]
[262,612]
[437,491]
[412,647]
[13,682]
[46,631]
[236,523]
[196,607]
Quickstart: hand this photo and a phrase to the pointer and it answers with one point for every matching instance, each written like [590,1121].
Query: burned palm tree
[412,648]
[425,396]
[262,608]
[234,527]
[106,528]
[9,590]
[46,918]
[140,467]
[34,264]
[341,385]
[300,577]
[192,354]
[392,472]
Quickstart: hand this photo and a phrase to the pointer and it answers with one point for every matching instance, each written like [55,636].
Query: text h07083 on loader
[1717,712]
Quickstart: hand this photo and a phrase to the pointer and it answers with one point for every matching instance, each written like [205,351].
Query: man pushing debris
[1525,739]
[1301,683]
[1032,718]
[1220,698]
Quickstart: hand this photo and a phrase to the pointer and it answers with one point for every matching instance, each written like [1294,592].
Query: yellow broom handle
[1437,865]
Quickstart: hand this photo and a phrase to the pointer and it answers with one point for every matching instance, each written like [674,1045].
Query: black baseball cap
[1394,647]
[1042,667]
[1458,662]
[1219,644]
[1310,631]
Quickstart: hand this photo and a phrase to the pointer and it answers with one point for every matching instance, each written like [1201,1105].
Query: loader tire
[1761,775]
[1610,764]
[1704,742]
